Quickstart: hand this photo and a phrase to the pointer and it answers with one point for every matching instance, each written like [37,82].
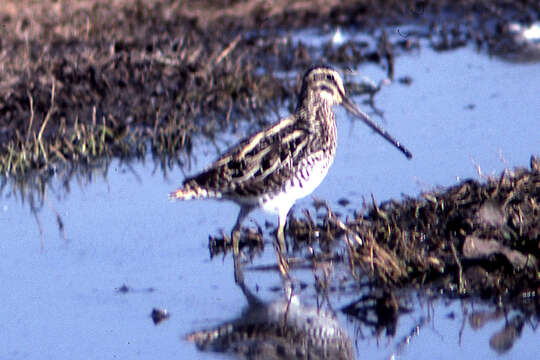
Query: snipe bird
[284,162]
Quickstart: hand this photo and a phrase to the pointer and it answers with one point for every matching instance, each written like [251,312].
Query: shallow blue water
[60,297]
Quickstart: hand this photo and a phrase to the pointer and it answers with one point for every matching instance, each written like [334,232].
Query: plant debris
[159,315]
[472,239]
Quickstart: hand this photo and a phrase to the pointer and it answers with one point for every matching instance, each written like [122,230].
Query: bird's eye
[329,77]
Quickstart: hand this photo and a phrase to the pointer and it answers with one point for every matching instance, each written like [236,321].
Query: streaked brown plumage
[284,162]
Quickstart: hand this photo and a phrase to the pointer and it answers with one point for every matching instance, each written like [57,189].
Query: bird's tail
[192,191]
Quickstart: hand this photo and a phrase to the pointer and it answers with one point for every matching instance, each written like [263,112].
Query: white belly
[301,185]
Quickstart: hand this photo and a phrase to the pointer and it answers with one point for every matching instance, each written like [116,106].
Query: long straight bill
[353,109]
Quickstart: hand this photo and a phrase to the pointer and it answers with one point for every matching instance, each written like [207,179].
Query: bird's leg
[281,246]
[235,236]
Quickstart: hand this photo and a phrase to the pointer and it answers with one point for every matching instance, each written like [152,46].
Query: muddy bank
[93,80]
[476,238]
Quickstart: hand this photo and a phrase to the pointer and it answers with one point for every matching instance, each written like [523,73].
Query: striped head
[321,83]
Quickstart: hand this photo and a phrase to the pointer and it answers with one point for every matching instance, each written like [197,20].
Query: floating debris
[250,239]
[159,315]
[124,289]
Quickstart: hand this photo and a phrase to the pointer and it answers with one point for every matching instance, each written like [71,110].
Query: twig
[31,99]
[227,50]
[49,113]
[460,269]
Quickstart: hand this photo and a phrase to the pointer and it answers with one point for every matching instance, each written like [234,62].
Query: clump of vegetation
[90,80]
[116,80]
[474,238]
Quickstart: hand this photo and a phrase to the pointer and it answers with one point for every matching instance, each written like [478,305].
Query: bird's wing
[259,164]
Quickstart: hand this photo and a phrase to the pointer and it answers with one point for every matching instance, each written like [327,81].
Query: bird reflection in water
[281,329]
